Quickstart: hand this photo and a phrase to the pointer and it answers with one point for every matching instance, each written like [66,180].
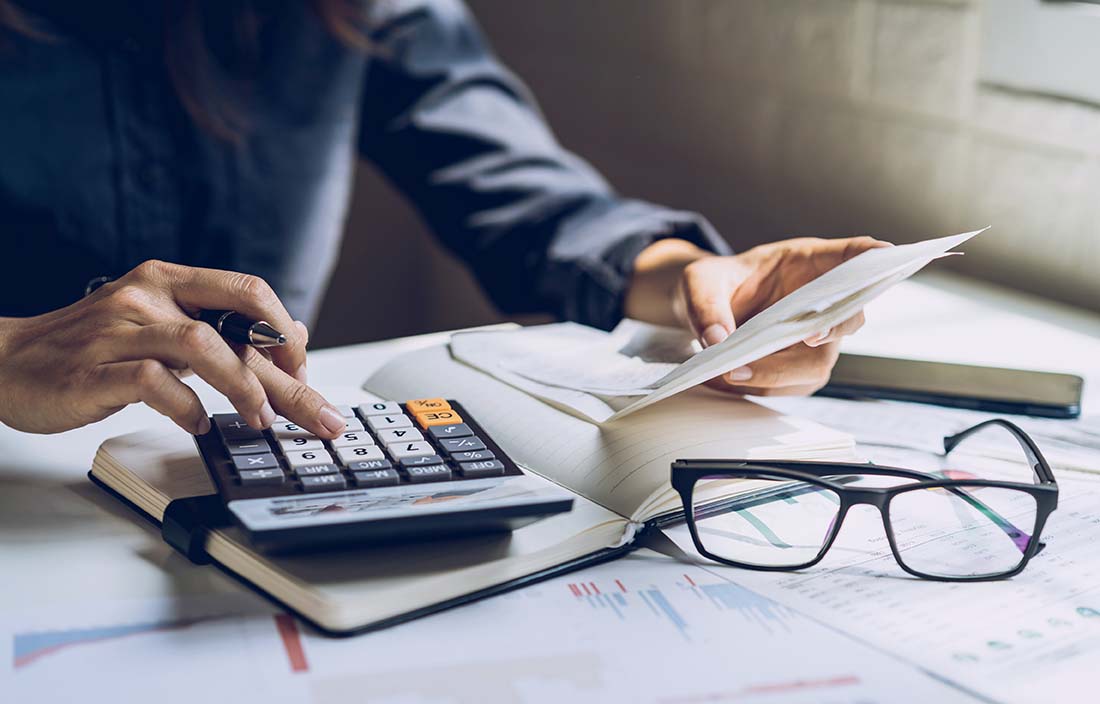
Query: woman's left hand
[676,282]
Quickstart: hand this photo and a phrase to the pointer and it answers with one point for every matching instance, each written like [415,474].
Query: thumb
[707,296]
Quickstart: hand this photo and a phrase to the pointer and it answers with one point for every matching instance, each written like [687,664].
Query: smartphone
[956,385]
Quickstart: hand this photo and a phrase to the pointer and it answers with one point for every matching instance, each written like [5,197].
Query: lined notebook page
[622,465]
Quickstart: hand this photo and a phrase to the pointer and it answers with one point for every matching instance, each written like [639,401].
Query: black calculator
[412,470]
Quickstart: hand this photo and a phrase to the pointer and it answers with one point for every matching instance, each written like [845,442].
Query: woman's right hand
[129,341]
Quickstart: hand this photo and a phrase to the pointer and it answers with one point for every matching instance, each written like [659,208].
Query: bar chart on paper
[649,601]
[644,628]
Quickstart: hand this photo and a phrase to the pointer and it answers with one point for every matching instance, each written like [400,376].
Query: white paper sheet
[1066,444]
[588,372]
[1034,638]
[641,629]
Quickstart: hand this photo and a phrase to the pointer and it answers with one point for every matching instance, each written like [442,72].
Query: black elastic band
[188,521]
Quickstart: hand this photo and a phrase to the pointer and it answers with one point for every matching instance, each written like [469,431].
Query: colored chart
[648,600]
[28,648]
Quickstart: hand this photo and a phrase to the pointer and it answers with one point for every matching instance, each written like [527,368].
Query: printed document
[604,377]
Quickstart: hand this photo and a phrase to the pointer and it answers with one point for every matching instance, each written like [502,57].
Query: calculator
[420,469]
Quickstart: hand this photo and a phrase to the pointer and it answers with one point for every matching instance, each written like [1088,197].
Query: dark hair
[211,81]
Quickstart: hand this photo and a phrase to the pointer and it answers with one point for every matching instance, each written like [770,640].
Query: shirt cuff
[600,293]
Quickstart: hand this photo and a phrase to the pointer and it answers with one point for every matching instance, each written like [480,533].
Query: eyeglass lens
[962,531]
[782,523]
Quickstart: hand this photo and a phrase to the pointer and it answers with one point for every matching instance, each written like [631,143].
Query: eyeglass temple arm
[1038,463]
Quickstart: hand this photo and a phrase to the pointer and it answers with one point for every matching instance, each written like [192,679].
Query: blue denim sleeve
[463,139]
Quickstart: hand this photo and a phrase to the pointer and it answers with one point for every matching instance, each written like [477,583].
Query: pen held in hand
[241,329]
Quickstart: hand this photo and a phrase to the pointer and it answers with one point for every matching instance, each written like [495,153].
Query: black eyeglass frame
[686,473]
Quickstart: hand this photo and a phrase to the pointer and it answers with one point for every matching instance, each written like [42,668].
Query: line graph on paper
[186,648]
[649,601]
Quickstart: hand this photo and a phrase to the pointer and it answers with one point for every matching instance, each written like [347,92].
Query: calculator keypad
[383,444]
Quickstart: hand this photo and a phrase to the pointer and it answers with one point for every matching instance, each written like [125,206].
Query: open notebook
[620,476]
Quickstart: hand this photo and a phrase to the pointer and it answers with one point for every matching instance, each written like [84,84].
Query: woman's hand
[678,283]
[130,340]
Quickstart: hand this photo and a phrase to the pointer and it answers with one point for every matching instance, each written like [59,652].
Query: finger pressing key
[195,345]
[293,399]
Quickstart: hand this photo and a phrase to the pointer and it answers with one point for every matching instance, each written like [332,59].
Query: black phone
[991,389]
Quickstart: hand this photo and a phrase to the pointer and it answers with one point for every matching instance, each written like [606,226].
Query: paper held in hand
[603,377]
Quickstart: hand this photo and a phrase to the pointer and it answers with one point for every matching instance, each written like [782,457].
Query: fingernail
[331,419]
[267,415]
[740,374]
[204,426]
[714,334]
[301,375]
[815,340]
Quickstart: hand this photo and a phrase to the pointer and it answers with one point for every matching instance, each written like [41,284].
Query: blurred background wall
[774,118]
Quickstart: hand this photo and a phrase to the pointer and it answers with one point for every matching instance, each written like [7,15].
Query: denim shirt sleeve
[462,137]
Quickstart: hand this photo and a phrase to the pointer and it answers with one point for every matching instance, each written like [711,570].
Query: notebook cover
[600,556]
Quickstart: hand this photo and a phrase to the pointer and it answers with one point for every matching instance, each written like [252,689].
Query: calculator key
[430,418]
[369,465]
[291,430]
[379,408]
[434,473]
[472,456]
[421,461]
[417,448]
[423,405]
[388,437]
[377,477]
[362,453]
[315,470]
[346,411]
[353,439]
[304,459]
[259,477]
[325,482]
[474,470]
[353,425]
[458,430]
[469,444]
[232,427]
[247,446]
[396,420]
[300,444]
[264,461]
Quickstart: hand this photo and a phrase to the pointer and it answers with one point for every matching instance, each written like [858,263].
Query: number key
[379,408]
[410,449]
[291,430]
[363,453]
[303,459]
[388,437]
[378,423]
[300,444]
[353,440]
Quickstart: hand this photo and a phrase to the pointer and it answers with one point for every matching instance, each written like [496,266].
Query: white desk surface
[62,539]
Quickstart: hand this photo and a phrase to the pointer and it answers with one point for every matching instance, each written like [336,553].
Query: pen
[230,324]
[241,329]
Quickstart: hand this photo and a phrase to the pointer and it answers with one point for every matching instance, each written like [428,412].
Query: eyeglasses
[947,527]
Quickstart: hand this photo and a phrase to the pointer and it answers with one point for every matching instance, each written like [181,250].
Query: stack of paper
[604,377]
